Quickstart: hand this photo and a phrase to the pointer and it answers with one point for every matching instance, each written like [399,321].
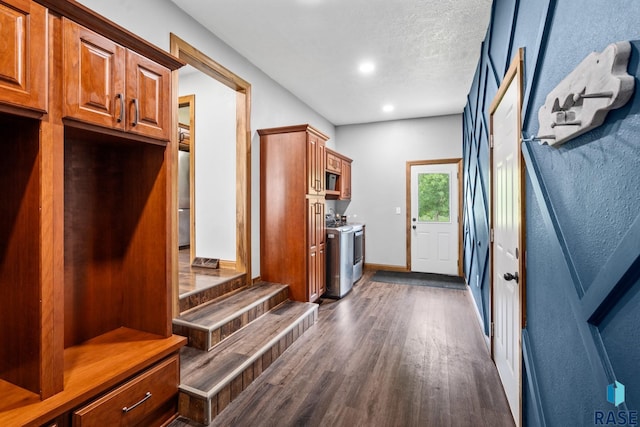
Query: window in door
[434,203]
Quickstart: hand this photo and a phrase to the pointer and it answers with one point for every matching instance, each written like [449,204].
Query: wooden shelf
[90,368]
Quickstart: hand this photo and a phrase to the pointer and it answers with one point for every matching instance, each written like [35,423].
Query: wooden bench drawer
[136,401]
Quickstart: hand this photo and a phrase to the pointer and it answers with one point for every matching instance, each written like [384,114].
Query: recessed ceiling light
[367,67]
[388,108]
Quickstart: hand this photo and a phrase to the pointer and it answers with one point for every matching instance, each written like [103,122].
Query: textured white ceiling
[425,51]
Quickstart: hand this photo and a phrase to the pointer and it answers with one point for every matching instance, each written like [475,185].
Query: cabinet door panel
[312,220]
[312,161]
[321,160]
[321,236]
[24,51]
[312,273]
[93,77]
[316,236]
[345,182]
[322,272]
[313,214]
[316,159]
[148,92]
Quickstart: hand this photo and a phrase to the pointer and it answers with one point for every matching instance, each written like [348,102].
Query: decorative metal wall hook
[582,100]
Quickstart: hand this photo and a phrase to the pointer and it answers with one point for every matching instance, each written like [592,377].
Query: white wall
[272,105]
[215,165]
[380,152]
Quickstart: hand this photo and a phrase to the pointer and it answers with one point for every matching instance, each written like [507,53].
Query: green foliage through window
[433,197]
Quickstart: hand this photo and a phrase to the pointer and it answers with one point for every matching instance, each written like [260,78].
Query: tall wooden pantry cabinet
[85,221]
[292,221]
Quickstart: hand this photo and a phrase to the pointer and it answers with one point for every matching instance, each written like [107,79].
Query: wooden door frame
[412,163]
[515,71]
[192,56]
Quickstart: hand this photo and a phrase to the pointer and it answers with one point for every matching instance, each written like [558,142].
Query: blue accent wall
[582,211]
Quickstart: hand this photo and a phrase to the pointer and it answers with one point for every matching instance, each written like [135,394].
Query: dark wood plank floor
[386,355]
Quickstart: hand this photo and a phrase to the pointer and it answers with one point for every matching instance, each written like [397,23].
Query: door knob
[414,227]
[509,277]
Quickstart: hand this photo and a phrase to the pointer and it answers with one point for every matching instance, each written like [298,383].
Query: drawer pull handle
[132,407]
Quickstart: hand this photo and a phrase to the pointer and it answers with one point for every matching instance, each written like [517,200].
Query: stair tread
[204,372]
[203,282]
[211,315]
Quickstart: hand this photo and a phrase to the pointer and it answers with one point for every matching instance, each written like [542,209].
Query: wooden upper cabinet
[338,167]
[110,86]
[23,65]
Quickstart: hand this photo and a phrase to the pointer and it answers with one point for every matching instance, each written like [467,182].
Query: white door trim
[513,75]
[408,206]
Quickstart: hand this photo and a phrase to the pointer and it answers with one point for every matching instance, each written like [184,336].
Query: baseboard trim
[487,339]
[532,379]
[256,280]
[231,265]
[385,267]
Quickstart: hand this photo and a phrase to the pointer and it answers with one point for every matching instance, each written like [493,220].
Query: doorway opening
[242,182]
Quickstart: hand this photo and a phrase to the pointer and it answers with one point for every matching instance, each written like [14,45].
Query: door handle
[413,226]
[509,277]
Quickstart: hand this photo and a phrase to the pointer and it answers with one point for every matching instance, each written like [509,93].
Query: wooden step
[208,324]
[211,380]
[208,287]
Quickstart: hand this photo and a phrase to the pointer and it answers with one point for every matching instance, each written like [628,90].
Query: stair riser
[203,410]
[205,295]
[205,340]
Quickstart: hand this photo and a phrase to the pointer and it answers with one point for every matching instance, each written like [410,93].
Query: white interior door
[434,218]
[506,226]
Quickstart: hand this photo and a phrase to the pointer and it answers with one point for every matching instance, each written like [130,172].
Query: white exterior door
[506,225]
[434,218]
